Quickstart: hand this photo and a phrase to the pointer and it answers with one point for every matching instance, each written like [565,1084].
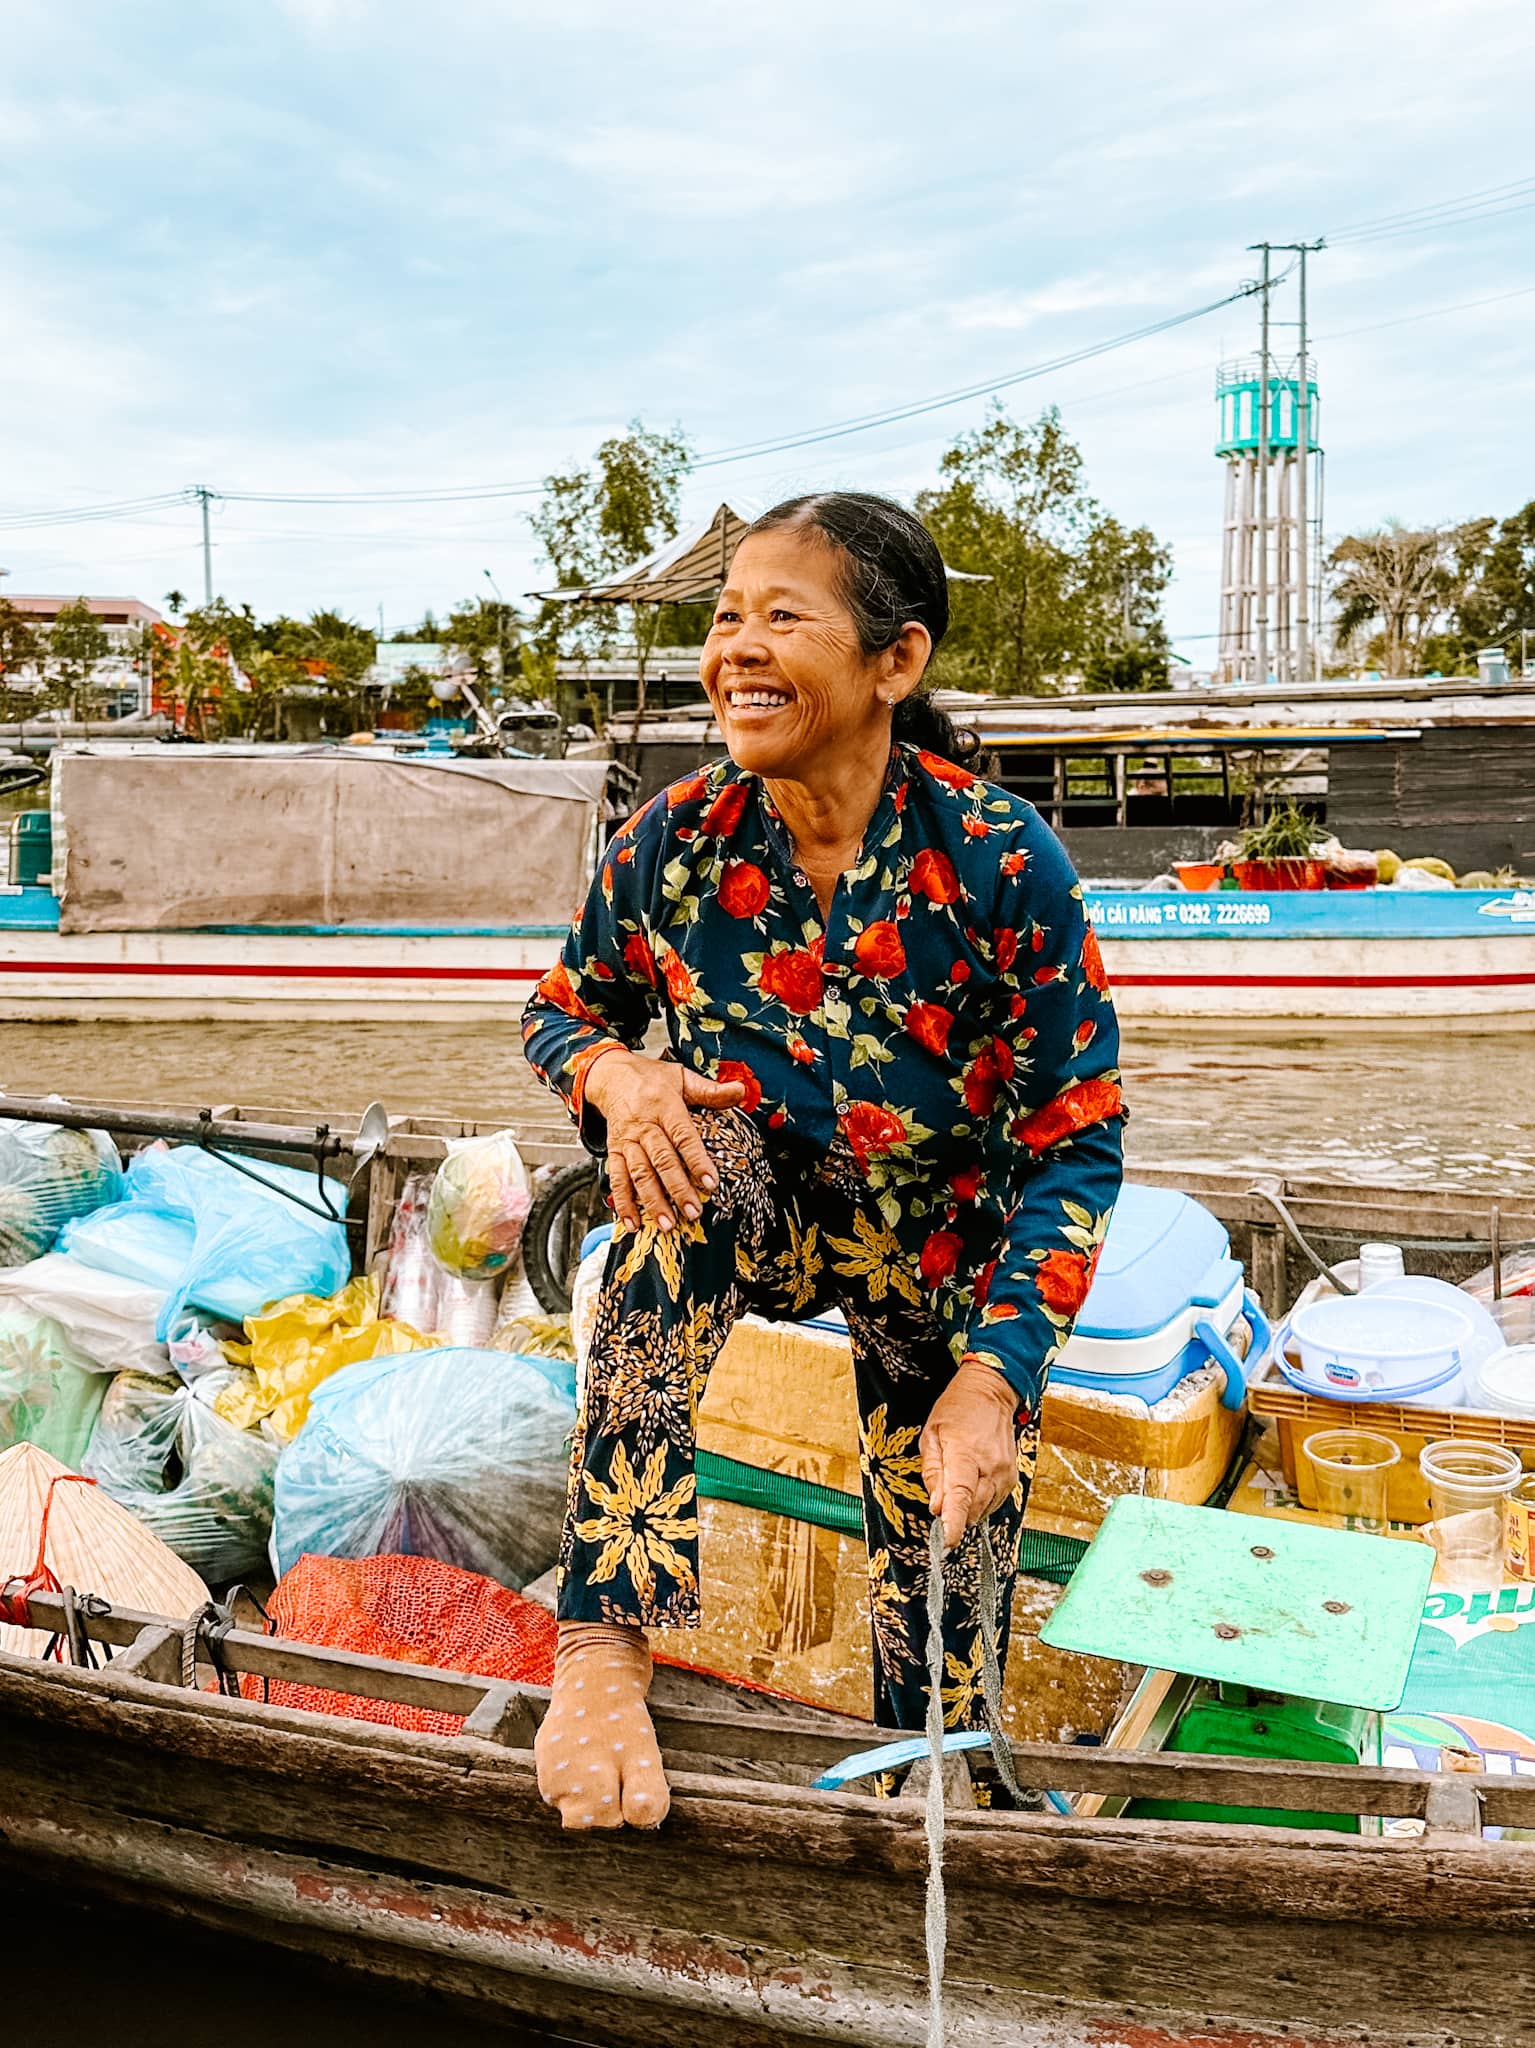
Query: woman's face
[793,691]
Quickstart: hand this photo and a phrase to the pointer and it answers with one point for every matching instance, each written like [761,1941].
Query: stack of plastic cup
[1353,1470]
[1468,1483]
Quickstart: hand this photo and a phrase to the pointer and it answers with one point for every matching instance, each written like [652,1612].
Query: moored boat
[766,1910]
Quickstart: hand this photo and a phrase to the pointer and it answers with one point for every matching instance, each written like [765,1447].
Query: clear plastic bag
[47,1176]
[109,1321]
[458,1455]
[201,1485]
[49,1395]
[478,1205]
[214,1237]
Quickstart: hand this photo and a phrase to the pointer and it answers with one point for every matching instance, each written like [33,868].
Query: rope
[937,1916]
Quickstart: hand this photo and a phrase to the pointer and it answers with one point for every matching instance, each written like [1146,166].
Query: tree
[594,522]
[19,652]
[1070,587]
[489,632]
[1398,587]
[175,602]
[1498,604]
[76,642]
[325,651]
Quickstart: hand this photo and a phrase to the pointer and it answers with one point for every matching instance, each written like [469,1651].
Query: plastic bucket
[1370,1345]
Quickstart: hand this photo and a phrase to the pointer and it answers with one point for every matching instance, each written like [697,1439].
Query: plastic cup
[1379,1263]
[1352,1468]
[1467,1486]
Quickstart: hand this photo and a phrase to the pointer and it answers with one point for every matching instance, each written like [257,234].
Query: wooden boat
[766,1911]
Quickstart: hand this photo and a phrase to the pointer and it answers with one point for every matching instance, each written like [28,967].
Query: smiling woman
[891,1089]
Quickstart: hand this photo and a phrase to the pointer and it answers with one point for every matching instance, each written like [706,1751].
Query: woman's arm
[1058,1044]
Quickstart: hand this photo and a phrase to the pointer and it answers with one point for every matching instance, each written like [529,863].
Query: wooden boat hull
[760,1912]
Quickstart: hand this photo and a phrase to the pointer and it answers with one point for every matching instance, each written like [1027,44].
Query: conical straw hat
[93,1545]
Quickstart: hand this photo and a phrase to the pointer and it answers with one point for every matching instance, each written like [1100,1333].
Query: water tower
[1265,556]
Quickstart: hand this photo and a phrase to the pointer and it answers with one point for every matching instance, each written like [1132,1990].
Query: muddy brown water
[1417,1108]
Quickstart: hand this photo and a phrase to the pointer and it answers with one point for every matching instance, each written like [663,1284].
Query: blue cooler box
[1163,1300]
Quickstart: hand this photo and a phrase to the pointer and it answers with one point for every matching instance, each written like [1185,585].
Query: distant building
[122,619]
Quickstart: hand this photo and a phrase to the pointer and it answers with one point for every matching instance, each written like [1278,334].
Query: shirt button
[842,1109]
[799,877]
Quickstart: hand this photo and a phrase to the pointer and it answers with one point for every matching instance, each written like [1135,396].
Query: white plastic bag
[109,1321]
[459,1455]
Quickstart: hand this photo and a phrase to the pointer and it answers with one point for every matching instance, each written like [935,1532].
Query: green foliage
[490,633]
[20,649]
[76,642]
[1401,594]
[1498,601]
[1072,592]
[1286,834]
[596,521]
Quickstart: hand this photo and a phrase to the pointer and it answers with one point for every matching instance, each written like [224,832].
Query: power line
[1392,220]
[710,459]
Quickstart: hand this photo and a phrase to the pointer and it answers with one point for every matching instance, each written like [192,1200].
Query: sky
[318,247]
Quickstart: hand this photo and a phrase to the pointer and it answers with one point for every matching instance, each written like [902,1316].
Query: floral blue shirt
[948,1027]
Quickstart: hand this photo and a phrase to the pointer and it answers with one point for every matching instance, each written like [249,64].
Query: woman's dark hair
[891,575]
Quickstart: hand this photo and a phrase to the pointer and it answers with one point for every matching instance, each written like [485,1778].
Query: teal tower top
[1237,394]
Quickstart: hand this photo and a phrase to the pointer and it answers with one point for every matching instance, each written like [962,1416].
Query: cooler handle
[1237,1370]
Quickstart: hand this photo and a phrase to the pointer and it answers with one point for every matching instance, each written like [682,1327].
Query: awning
[688,568]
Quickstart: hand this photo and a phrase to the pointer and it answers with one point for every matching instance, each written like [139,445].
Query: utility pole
[1302,471]
[1263,478]
[203,494]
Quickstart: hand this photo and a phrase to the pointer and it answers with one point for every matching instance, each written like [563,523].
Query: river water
[1430,1106]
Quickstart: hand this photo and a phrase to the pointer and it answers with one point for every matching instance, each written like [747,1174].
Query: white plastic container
[1378,1346]
[1506,1382]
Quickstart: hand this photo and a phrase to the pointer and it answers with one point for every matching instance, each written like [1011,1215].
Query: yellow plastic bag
[300,1341]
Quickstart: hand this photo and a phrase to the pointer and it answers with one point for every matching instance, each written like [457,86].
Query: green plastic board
[1321,1613]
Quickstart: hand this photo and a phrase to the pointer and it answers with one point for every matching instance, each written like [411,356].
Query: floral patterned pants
[783,1249]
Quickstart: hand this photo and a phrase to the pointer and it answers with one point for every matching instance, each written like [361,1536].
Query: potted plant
[1278,853]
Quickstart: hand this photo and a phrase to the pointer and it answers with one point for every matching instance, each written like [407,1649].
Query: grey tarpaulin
[171,839]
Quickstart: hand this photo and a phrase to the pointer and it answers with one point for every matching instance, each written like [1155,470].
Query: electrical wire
[1392,220]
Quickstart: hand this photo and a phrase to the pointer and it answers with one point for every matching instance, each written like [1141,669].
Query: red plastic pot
[1280,874]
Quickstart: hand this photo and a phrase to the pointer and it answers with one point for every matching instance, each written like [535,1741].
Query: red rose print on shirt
[639,959]
[794,977]
[946,771]
[878,950]
[1092,963]
[930,1024]
[743,890]
[934,876]
[1074,1109]
[738,1070]
[1063,1279]
[872,1128]
[724,814]
[939,1256]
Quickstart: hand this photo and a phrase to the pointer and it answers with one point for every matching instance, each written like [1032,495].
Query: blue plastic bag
[456,1454]
[212,1237]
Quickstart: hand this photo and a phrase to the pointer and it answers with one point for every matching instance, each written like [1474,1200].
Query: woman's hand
[970,1449]
[657,1162]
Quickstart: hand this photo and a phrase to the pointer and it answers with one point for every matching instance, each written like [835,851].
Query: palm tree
[175,601]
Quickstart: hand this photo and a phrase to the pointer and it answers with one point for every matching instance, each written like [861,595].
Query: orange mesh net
[413,1609]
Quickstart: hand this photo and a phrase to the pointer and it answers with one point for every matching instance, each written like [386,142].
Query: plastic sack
[457,1455]
[412,1277]
[297,1343]
[478,1205]
[212,1236]
[49,1395]
[110,1322]
[199,1484]
[47,1176]
[1419,878]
